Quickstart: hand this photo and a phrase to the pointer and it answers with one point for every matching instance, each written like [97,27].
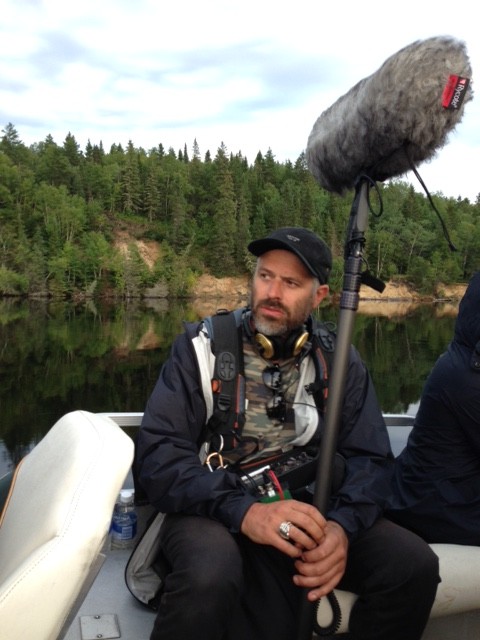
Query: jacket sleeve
[167,464]
[364,443]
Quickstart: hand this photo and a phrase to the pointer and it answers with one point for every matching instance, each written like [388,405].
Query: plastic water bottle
[124,521]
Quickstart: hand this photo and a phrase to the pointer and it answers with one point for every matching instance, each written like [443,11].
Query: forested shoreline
[73,222]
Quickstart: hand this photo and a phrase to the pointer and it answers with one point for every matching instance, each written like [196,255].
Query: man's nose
[275,288]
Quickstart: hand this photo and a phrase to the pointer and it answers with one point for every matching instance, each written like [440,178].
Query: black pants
[224,587]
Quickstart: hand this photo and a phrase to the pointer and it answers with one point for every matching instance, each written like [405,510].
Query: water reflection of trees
[400,353]
[57,357]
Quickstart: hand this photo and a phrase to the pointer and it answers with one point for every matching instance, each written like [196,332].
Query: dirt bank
[399,300]
[396,300]
[211,293]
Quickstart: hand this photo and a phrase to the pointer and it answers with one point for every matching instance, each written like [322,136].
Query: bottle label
[125,530]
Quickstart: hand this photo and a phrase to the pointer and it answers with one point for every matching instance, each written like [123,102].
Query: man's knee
[204,557]
[215,575]
[391,555]
[415,557]
[422,567]
[414,568]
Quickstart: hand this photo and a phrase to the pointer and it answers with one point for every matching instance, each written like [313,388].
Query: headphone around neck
[274,347]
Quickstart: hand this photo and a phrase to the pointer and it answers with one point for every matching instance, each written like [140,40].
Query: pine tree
[131,185]
[222,253]
[11,144]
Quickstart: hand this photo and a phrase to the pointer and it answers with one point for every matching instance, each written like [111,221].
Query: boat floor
[110,611]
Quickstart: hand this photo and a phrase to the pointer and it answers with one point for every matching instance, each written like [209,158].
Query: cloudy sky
[254,74]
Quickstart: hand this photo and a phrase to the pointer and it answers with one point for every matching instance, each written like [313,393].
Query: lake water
[57,357]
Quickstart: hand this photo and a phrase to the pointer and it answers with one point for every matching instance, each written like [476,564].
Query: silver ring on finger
[284,530]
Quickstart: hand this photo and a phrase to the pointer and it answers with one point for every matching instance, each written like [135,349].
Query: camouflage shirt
[262,434]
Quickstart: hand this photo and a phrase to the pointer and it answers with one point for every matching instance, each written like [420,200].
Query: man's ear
[320,294]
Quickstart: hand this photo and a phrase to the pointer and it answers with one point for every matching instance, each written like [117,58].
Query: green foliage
[63,211]
[12,283]
[173,269]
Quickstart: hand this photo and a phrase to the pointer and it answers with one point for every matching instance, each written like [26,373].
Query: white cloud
[254,75]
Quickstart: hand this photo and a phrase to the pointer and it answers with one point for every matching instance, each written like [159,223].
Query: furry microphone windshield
[398,116]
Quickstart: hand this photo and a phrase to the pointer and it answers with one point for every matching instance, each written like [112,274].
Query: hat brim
[259,247]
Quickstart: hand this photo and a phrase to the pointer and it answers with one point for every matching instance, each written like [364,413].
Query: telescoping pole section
[348,307]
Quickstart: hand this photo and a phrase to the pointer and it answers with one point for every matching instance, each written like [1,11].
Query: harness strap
[228,382]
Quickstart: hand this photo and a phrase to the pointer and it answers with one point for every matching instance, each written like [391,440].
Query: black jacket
[169,470]
[436,489]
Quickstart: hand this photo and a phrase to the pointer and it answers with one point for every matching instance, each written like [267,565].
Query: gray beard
[270,328]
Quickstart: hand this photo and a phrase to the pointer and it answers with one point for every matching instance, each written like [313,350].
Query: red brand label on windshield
[454,92]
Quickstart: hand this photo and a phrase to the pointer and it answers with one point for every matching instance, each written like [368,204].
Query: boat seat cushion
[56,519]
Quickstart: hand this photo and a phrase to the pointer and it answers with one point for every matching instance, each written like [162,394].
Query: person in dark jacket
[239,564]
[436,486]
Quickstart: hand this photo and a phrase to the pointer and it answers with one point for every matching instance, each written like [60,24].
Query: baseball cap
[305,244]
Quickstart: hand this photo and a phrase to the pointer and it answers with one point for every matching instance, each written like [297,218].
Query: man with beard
[239,562]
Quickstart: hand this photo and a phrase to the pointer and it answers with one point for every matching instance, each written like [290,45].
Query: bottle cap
[126,495]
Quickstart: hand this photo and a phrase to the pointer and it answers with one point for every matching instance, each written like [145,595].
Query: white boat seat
[459,591]
[55,522]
